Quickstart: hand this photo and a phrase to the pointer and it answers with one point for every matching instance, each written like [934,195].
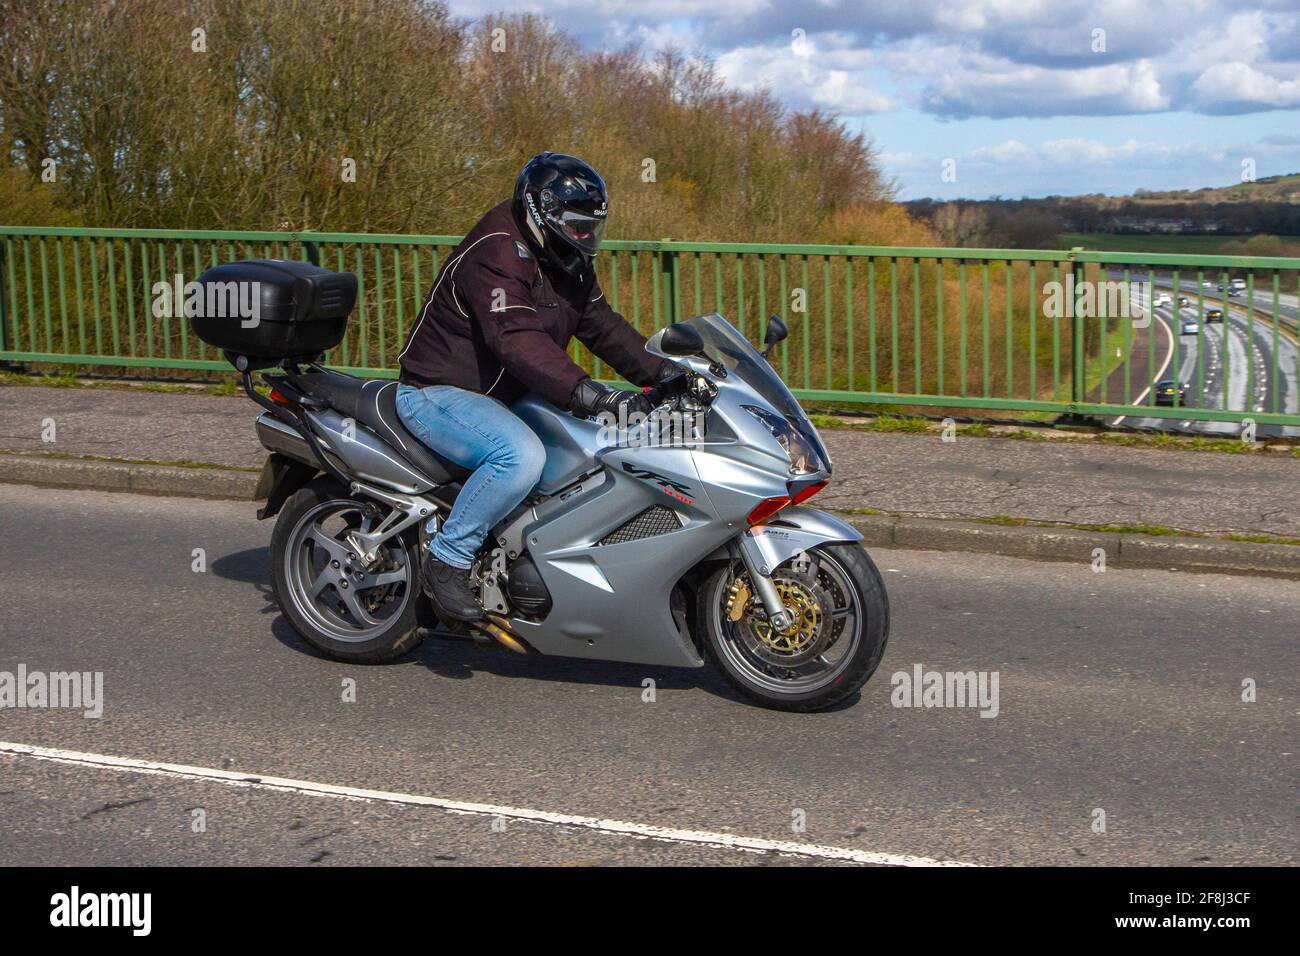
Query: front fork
[764,548]
[761,574]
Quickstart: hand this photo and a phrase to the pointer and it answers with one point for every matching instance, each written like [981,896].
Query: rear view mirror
[776,332]
[682,340]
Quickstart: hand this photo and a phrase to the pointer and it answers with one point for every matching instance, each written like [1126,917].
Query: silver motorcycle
[675,540]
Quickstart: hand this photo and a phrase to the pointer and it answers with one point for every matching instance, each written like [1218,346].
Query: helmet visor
[583,231]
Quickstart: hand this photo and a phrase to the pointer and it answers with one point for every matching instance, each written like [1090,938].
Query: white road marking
[640,831]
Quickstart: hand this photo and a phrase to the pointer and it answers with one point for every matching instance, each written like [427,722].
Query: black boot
[448,587]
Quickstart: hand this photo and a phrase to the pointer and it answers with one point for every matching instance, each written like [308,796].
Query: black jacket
[498,321]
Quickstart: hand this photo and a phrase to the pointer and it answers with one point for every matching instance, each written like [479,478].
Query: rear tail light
[280,398]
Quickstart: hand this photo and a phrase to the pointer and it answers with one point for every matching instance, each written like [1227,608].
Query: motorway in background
[1236,355]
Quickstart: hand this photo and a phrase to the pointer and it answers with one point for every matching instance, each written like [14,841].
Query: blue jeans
[479,433]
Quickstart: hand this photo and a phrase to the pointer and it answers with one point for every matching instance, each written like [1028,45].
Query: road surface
[1118,692]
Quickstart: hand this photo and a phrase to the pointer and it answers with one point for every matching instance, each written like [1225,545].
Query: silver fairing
[613,601]
[364,455]
[571,443]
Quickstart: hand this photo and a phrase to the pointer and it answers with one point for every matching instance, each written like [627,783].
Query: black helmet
[561,204]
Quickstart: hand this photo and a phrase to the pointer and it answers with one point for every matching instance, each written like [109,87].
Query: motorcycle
[677,540]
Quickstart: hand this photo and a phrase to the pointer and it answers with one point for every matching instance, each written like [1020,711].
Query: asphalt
[1119,691]
[908,475]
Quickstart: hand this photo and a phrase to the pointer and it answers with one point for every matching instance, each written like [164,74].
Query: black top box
[272,309]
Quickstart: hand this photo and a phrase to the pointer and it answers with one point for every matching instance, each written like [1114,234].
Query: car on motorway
[1162,298]
[1191,327]
[1167,389]
[1213,315]
[1237,287]
[1184,302]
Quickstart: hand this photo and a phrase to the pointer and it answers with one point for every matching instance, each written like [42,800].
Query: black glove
[592,398]
[670,382]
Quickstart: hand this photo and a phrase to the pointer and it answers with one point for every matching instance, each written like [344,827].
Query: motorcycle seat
[373,403]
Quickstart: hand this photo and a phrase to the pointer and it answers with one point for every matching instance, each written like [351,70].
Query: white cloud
[1075,153]
[1008,151]
[806,76]
[1224,84]
[975,84]
[979,57]
[1071,165]
[990,58]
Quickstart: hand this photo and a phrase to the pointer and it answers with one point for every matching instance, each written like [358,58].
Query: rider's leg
[479,433]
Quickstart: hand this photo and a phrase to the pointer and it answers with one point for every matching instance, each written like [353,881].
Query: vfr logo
[675,488]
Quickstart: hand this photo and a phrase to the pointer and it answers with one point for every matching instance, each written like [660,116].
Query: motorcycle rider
[497,324]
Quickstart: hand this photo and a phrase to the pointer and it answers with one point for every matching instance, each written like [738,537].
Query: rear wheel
[840,627]
[343,608]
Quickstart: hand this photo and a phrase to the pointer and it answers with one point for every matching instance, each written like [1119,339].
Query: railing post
[668,267]
[1077,393]
[4,301]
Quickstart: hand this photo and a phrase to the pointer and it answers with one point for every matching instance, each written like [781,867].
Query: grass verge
[895,423]
[230,387]
[173,463]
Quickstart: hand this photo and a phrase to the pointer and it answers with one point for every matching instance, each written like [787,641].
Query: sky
[1011,98]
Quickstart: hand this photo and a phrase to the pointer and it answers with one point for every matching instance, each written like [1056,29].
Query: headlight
[803,457]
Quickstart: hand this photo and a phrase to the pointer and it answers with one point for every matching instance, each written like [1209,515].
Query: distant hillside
[1264,209]
[1284,189]
[1204,245]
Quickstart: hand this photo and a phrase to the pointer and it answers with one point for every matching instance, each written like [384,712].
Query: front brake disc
[810,632]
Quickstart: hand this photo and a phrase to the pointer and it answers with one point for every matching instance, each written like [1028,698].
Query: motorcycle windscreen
[724,344]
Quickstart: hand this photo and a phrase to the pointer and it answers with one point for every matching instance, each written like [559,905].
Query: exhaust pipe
[499,629]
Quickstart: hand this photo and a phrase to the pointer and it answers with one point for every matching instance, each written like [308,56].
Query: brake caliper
[737,599]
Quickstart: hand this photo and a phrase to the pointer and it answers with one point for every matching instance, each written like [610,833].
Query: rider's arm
[612,338]
[498,291]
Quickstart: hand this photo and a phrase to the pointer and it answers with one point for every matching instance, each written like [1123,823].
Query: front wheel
[840,627]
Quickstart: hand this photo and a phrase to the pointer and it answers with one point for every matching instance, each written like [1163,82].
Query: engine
[526,590]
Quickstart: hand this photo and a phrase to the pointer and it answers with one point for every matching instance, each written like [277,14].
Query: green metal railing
[935,328]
